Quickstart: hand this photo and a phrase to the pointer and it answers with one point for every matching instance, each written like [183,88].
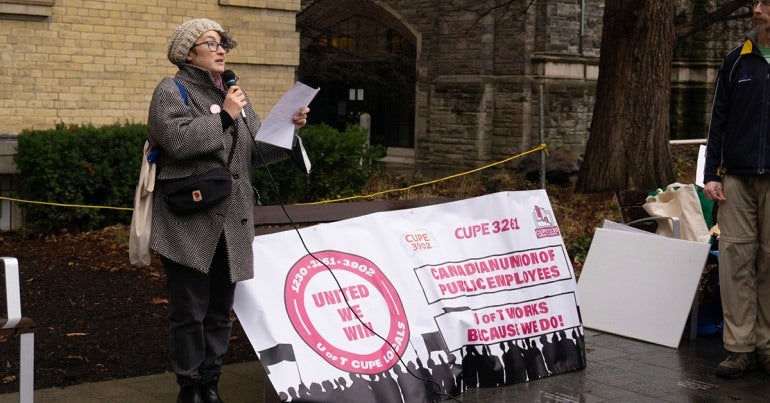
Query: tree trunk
[628,145]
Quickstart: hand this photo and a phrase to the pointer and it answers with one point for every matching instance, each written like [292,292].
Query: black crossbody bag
[201,192]
[197,193]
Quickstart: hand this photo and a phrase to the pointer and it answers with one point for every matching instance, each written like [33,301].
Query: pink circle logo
[339,303]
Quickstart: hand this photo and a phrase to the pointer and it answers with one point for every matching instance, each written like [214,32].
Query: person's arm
[267,154]
[719,116]
[173,125]
[720,111]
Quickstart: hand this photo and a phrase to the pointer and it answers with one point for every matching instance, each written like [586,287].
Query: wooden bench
[632,212]
[270,219]
[15,324]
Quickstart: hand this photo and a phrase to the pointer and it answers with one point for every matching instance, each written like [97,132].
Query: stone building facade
[475,84]
[494,82]
[487,78]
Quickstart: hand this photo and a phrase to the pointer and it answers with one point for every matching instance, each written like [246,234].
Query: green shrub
[89,166]
[342,163]
[79,165]
[579,251]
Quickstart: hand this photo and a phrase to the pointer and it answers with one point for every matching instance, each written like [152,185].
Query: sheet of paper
[278,127]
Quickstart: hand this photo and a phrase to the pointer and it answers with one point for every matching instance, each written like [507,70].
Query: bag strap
[232,146]
[153,154]
[182,91]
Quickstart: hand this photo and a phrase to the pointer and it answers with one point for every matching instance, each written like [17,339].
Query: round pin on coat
[215,108]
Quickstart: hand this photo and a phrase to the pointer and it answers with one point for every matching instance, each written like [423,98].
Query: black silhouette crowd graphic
[513,361]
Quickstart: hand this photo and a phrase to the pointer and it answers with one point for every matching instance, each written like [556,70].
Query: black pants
[199,317]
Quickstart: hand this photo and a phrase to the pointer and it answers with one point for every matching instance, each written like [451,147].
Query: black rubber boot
[190,394]
[209,392]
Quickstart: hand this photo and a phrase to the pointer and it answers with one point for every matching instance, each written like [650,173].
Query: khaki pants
[744,254]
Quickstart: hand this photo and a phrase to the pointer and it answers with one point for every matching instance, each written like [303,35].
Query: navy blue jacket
[739,134]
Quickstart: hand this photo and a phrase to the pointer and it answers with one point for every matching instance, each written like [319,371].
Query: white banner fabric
[473,293]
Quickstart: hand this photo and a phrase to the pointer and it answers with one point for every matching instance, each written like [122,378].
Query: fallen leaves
[159,301]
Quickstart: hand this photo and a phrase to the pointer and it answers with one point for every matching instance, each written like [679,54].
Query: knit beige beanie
[185,35]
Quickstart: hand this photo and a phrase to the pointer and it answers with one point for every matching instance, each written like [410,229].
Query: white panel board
[607,224]
[640,286]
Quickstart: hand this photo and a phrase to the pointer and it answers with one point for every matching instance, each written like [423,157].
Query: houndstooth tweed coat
[193,142]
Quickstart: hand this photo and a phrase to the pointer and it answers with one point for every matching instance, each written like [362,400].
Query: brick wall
[98,61]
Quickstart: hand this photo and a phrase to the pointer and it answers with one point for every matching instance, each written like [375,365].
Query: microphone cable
[431,385]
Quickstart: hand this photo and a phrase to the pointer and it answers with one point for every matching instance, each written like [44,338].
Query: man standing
[737,176]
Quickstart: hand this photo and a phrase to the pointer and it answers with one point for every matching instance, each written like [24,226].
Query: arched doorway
[363,59]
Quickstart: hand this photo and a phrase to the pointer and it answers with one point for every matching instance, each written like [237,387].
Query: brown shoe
[736,365]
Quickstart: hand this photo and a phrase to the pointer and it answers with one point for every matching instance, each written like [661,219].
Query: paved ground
[618,370]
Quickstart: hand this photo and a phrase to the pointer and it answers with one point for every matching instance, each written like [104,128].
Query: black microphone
[229,78]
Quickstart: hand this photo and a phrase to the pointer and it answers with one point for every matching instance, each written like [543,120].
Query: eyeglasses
[214,46]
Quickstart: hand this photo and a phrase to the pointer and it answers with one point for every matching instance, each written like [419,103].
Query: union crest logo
[545,224]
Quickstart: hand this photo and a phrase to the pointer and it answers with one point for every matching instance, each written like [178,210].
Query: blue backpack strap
[153,154]
[181,91]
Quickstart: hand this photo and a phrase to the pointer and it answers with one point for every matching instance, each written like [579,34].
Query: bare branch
[723,13]
[507,6]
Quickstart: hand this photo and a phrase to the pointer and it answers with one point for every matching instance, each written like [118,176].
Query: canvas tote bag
[141,219]
[679,200]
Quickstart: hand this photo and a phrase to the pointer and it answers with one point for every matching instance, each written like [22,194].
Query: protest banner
[415,304]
